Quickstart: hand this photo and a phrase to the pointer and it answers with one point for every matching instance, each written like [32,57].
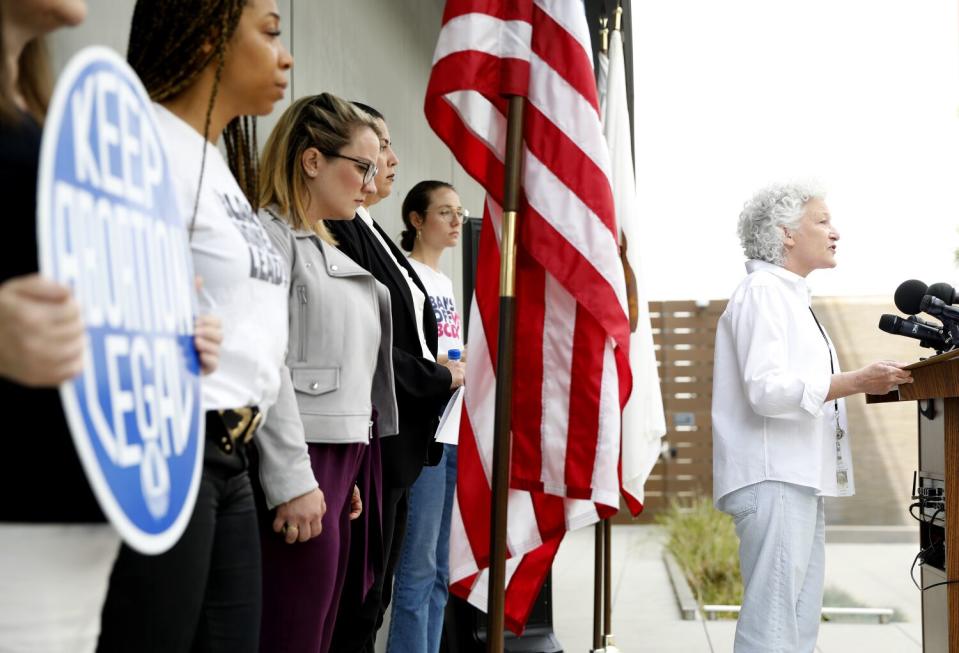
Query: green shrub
[703,541]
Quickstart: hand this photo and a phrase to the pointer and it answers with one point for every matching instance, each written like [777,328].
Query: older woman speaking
[780,440]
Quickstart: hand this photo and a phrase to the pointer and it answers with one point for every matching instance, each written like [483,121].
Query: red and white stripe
[572,330]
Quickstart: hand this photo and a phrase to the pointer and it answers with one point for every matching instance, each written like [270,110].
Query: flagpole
[607,526]
[598,587]
[607,584]
[600,561]
[504,377]
[601,543]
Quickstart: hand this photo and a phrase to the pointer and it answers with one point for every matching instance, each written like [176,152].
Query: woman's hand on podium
[879,378]
[882,377]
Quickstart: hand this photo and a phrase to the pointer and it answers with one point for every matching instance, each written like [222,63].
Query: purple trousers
[302,582]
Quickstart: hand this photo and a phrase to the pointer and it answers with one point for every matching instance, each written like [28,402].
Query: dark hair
[34,81]
[171,43]
[368,109]
[323,121]
[418,201]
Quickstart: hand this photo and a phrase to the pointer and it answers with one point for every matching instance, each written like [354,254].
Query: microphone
[912,327]
[943,291]
[931,325]
[909,295]
[938,308]
[948,315]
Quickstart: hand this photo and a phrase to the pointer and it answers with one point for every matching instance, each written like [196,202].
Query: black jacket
[422,386]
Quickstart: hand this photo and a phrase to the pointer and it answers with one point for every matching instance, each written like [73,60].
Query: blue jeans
[422,575]
[782,552]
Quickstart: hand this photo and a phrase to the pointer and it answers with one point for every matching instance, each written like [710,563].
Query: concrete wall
[376,51]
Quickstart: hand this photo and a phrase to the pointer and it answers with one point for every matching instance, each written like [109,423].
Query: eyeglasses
[369,168]
[446,213]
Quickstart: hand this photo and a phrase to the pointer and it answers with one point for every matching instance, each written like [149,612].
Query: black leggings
[204,594]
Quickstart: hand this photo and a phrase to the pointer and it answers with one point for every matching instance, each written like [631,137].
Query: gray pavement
[647,619]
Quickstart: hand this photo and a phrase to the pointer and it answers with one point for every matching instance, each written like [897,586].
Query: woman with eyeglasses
[337,392]
[433,216]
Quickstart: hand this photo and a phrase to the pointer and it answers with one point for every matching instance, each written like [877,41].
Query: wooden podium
[935,387]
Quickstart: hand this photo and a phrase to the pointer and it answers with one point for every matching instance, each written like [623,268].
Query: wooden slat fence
[684,333]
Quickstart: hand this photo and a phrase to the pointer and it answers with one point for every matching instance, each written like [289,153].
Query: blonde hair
[323,121]
[34,81]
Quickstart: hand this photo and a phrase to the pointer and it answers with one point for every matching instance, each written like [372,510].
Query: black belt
[239,425]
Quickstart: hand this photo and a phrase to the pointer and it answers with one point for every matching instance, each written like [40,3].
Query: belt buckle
[241,423]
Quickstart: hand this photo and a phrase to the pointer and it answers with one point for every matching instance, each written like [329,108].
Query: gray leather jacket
[339,363]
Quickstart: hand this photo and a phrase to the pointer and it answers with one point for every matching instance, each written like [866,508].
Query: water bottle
[454,354]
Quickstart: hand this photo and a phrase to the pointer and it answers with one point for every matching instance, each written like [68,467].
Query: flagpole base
[466,628]
[609,648]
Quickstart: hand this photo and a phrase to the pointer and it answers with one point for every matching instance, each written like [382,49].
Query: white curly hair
[763,217]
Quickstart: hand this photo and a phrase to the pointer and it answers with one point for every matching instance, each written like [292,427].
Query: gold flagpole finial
[604,34]
[618,18]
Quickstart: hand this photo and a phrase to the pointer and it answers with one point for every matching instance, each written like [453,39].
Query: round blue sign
[110,227]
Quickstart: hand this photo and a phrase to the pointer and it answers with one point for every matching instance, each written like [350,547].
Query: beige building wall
[375,51]
[883,436]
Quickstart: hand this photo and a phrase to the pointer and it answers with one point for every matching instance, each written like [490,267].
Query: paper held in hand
[448,431]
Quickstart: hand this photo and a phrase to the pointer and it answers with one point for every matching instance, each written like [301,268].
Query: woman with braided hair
[210,66]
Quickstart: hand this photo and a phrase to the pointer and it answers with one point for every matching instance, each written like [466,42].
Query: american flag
[572,328]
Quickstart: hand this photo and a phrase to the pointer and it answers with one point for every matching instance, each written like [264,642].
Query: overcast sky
[858,94]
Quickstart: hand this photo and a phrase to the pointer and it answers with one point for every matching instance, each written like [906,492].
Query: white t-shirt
[245,283]
[419,299]
[771,375]
[448,323]
[448,336]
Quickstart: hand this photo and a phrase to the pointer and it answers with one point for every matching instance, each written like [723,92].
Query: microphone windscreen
[888,322]
[943,291]
[909,295]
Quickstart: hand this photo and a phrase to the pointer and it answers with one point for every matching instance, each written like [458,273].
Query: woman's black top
[41,479]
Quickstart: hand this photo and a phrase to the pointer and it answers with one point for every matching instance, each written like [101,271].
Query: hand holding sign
[41,333]
[111,230]
[207,336]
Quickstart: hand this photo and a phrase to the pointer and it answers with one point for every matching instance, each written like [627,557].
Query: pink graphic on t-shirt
[447,319]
